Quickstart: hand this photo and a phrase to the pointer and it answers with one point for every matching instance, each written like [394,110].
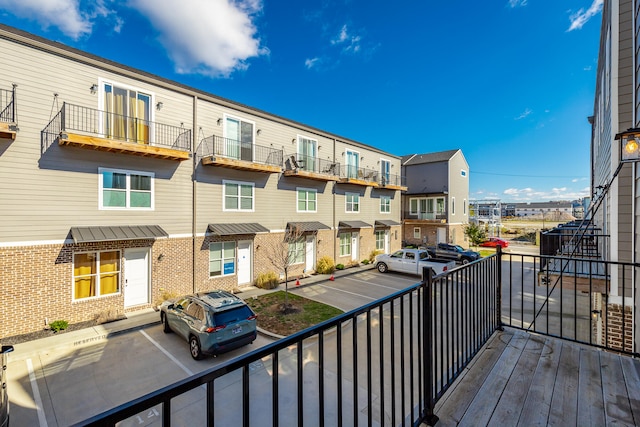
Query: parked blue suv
[212,322]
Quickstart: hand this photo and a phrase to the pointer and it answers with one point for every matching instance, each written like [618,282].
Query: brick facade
[617,326]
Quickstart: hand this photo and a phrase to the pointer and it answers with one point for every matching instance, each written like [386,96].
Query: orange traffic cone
[332,278]
[298,282]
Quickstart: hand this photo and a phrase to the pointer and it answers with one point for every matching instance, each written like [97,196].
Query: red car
[492,242]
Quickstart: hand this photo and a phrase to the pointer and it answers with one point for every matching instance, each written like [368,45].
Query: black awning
[239,228]
[304,227]
[386,223]
[353,224]
[126,232]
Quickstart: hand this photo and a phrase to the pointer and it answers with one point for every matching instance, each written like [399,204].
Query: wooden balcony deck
[523,379]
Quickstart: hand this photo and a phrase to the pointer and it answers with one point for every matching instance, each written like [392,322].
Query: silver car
[212,322]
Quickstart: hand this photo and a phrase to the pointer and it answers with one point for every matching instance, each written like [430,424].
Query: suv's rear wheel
[194,347]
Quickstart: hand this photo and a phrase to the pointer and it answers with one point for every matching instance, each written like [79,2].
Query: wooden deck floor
[522,379]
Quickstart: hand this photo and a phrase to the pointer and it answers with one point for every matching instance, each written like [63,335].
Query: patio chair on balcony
[331,169]
[294,163]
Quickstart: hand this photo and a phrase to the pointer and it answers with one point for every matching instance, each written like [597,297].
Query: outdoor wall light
[219,121]
[160,257]
[259,131]
[293,141]
[629,145]
[159,105]
[93,89]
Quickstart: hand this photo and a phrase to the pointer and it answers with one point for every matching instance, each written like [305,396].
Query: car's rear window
[232,316]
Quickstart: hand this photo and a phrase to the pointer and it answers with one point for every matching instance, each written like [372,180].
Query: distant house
[550,210]
[435,205]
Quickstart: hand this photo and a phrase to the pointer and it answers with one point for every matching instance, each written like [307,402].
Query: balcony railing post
[14,118]
[63,118]
[499,288]
[427,301]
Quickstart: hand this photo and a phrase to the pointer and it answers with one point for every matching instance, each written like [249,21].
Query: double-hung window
[222,259]
[96,274]
[345,244]
[380,240]
[296,251]
[238,196]
[385,204]
[121,189]
[352,202]
[307,200]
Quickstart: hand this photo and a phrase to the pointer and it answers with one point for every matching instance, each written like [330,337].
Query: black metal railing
[103,124]
[391,179]
[576,239]
[578,299]
[8,105]
[352,172]
[218,146]
[384,363]
[312,164]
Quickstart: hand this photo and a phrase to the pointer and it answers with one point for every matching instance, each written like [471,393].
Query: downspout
[193,194]
[634,228]
[335,229]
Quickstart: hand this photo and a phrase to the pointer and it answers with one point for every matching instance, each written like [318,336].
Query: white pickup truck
[411,261]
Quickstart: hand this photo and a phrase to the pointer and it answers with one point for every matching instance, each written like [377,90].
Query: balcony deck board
[525,379]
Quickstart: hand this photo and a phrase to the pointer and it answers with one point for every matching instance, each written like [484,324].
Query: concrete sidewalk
[143,318]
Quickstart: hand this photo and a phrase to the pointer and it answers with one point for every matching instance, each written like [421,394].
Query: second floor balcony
[350,174]
[94,129]
[311,167]
[392,182]
[231,153]
[8,127]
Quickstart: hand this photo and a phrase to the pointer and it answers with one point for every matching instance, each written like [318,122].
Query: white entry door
[442,235]
[386,241]
[244,262]
[310,254]
[354,246]
[136,276]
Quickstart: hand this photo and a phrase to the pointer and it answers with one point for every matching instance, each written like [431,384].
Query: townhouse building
[614,181]
[435,205]
[120,187]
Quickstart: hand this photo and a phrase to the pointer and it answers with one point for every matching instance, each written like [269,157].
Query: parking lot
[67,384]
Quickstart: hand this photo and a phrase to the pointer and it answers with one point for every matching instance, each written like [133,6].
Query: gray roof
[353,224]
[238,228]
[126,232]
[307,226]
[385,223]
[418,159]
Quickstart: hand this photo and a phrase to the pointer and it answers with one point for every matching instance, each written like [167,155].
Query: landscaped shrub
[325,265]
[339,266]
[365,261]
[269,280]
[373,254]
[58,325]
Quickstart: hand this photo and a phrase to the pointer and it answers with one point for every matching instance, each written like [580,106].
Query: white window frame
[101,107]
[226,137]
[97,275]
[356,201]
[348,166]
[299,155]
[235,261]
[416,232]
[307,191]
[413,211]
[380,239]
[345,244]
[239,184]
[463,173]
[385,175]
[385,204]
[127,206]
[297,251]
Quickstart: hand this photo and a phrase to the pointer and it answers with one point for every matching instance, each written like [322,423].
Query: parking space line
[346,292]
[166,353]
[376,284]
[42,420]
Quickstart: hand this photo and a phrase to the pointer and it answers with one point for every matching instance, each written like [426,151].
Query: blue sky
[510,82]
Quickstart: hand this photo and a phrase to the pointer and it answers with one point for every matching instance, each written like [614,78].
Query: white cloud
[517,3]
[350,42]
[63,14]
[581,17]
[524,114]
[210,37]
[311,62]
